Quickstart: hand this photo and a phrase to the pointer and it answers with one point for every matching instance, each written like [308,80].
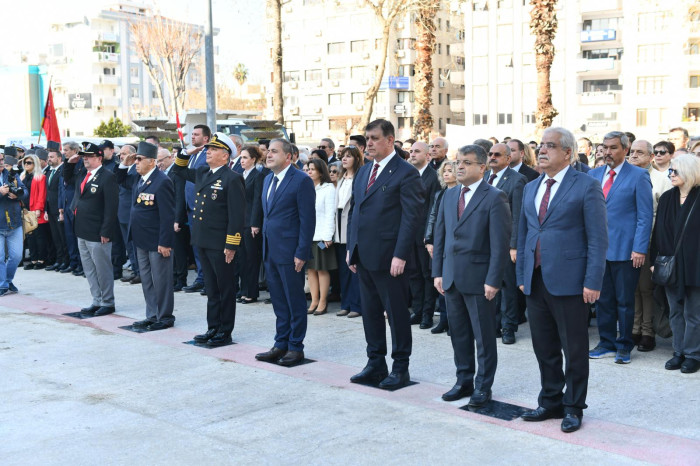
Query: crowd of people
[395,231]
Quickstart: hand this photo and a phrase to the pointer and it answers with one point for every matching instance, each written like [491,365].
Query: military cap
[91,150]
[148,150]
[222,141]
[53,146]
[11,150]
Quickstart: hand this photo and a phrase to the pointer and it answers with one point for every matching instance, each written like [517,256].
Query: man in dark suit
[288,227]
[438,152]
[562,239]
[517,152]
[385,215]
[95,208]
[217,230]
[70,150]
[126,182]
[328,146]
[152,216]
[180,228]
[512,183]
[423,292]
[630,205]
[470,253]
[53,208]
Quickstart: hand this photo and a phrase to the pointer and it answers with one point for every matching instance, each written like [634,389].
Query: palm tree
[240,73]
[543,24]
[423,81]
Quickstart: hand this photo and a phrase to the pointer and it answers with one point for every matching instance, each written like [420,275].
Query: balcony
[600,98]
[111,102]
[598,35]
[406,55]
[457,77]
[457,105]
[108,80]
[107,37]
[106,57]
[457,49]
[598,65]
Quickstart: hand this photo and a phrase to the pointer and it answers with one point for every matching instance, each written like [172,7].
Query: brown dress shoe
[292,358]
[273,355]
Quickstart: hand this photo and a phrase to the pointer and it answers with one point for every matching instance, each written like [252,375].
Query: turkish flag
[50,125]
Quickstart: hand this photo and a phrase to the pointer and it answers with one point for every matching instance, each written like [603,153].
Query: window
[312,75]
[405,123]
[480,119]
[134,71]
[405,96]
[504,4]
[109,71]
[154,94]
[505,68]
[609,116]
[381,97]
[603,53]
[313,125]
[654,21]
[448,99]
[641,117]
[694,47]
[312,51]
[480,41]
[407,70]
[439,24]
[439,123]
[359,46]
[56,50]
[480,70]
[449,120]
[601,23]
[357,98]
[505,38]
[439,49]
[694,81]
[336,48]
[651,84]
[336,73]
[291,101]
[652,52]
[447,49]
[440,98]
[447,25]
[529,118]
[289,76]
[336,99]
[360,72]
[405,44]
[601,85]
[134,92]
[505,118]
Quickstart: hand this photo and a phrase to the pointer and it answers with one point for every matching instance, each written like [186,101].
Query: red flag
[50,125]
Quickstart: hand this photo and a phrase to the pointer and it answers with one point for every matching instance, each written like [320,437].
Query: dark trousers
[471,319]
[349,282]
[423,291]
[180,252]
[380,292]
[289,303]
[249,262]
[71,239]
[156,285]
[118,252]
[129,250]
[197,260]
[221,289]
[37,243]
[58,235]
[685,321]
[616,305]
[559,323]
[508,308]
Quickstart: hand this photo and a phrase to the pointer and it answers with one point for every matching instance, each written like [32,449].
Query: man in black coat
[95,208]
[517,152]
[54,178]
[180,227]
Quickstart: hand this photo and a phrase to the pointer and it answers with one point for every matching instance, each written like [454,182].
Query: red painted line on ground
[624,440]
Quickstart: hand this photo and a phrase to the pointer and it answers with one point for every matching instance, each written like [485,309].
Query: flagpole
[43,119]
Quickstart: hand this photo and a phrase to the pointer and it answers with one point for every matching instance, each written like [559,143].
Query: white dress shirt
[145,177]
[555,187]
[468,195]
[499,175]
[517,167]
[382,164]
[280,176]
[247,172]
[607,173]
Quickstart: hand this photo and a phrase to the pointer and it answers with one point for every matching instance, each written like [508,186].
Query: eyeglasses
[672,171]
[333,171]
[323,147]
[549,145]
[495,154]
[140,159]
[660,152]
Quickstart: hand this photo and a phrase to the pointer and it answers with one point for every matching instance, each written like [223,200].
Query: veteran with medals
[216,225]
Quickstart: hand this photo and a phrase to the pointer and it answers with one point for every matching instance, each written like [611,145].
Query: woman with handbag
[35,181]
[676,255]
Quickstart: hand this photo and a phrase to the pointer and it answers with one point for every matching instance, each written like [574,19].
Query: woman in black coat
[675,207]
[251,256]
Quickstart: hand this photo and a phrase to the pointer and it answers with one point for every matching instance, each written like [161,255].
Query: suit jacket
[529,172]
[253,199]
[127,179]
[473,250]
[53,190]
[152,212]
[179,185]
[66,195]
[630,205]
[512,183]
[290,218]
[96,206]
[573,236]
[383,222]
[218,216]
[581,167]
[431,184]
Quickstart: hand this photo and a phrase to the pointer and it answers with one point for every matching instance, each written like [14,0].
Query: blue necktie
[272,190]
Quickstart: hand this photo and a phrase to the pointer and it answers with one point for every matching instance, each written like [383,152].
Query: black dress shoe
[268,301]
[426,323]
[542,414]
[395,380]
[177,288]
[370,375]
[571,423]
[248,300]
[136,280]
[479,398]
[636,338]
[193,288]
[203,292]
[675,362]
[117,276]
[416,319]
[67,269]
[78,272]
[39,266]
[274,355]
[104,310]
[160,325]
[646,343]
[28,266]
[239,299]
[89,311]
[508,337]
[439,328]
[291,358]
[127,278]
[458,392]
[205,337]
[220,339]
[142,323]
[53,267]
[690,366]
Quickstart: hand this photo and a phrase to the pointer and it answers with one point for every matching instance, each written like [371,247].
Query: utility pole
[209,69]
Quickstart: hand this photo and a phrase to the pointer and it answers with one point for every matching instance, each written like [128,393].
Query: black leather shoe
[646,343]
[177,288]
[127,278]
[370,375]
[89,311]
[205,337]
[142,323]
[479,398]
[690,366]
[39,266]
[67,269]
[104,310]
[203,292]
[542,414]
[268,301]
[426,323]
[395,380]
[136,280]
[636,338]
[416,319]
[78,272]
[458,392]
[193,288]
[160,325]
[53,267]
[291,358]
[29,266]
[274,355]
[508,337]
[675,362]
[248,300]
[571,423]
[439,328]
[220,339]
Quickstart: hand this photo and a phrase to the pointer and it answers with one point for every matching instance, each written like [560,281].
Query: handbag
[29,221]
[665,266]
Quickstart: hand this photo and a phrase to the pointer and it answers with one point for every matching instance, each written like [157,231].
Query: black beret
[148,150]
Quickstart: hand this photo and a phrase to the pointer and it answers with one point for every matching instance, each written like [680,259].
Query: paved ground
[84,392]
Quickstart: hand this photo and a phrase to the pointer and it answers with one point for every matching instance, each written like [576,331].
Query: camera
[14,189]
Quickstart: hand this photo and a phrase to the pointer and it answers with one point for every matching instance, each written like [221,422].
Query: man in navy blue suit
[562,239]
[630,205]
[288,228]
[385,214]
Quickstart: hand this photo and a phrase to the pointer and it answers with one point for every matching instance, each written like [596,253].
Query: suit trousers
[471,318]
[37,241]
[423,292]
[58,235]
[180,253]
[349,282]
[157,285]
[129,249]
[380,292]
[559,324]
[685,321]
[221,289]
[118,252]
[200,272]
[286,288]
[71,239]
[507,300]
[644,302]
[616,305]
[97,265]
[250,264]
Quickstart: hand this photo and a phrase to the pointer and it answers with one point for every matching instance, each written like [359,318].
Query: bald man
[438,152]
[422,290]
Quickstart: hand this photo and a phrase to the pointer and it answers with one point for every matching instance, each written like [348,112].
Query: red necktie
[372,178]
[491,178]
[82,185]
[541,215]
[461,204]
[608,184]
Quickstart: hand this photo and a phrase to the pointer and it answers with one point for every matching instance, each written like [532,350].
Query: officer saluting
[151,230]
[216,226]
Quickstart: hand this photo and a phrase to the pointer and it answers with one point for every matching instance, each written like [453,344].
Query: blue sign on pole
[394,82]
[598,35]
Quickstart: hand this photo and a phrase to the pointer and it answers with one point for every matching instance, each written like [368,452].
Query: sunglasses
[672,171]
[323,147]
[334,171]
[29,162]
[660,152]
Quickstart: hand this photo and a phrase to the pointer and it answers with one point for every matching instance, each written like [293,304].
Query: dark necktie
[461,204]
[544,204]
[140,184]
[51,174]
[273,189]
[609,183]
[491,178]
[372,178]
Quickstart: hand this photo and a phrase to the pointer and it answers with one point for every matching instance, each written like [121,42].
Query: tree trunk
[423,81]
[543,24]
[371,94]
[275,12]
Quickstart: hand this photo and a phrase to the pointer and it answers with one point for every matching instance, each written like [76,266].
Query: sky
[241,25]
